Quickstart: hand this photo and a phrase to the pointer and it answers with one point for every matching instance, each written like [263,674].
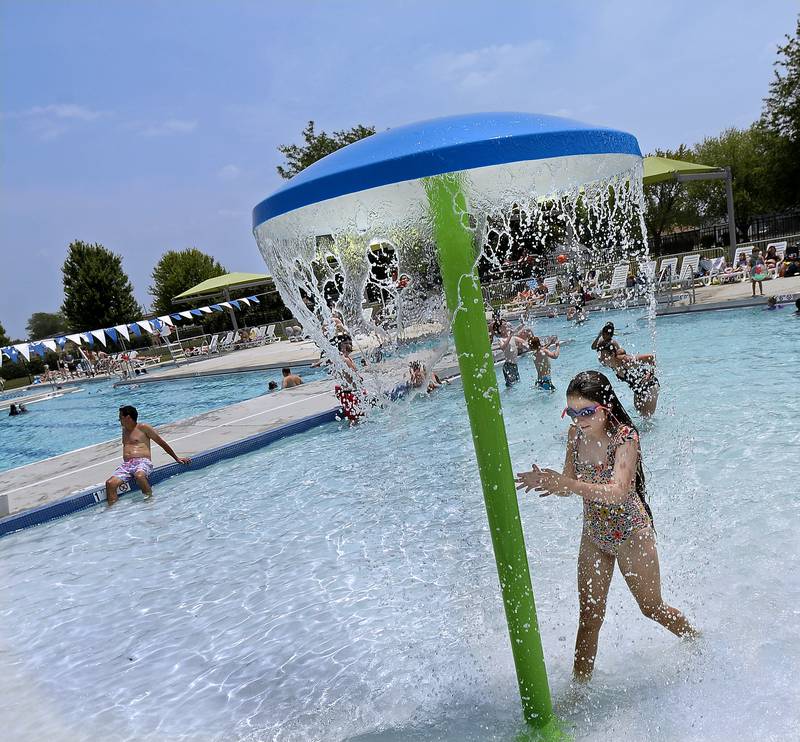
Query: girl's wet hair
[608,327]
[596,387]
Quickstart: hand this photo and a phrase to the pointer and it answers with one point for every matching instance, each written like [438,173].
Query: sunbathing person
[771,258]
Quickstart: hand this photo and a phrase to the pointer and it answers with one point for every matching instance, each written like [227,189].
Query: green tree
[4,339]
[178,270]
[667,204]
[782,105]
[46,325]
[746,152]
[780,121]
[317,146]
[97,291]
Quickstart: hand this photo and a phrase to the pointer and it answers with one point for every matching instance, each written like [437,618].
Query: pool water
[340,584]
[89,416]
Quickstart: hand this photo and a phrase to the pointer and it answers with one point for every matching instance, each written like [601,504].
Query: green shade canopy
[219,284]
[657,169]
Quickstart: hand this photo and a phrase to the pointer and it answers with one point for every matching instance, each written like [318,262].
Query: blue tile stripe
[96,494]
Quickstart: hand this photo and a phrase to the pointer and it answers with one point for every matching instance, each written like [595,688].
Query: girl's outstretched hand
[544,481]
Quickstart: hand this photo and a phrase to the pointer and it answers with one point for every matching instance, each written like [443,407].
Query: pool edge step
[95,494]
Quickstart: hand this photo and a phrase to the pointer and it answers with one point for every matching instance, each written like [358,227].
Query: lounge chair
[551,282]
[213,346]
[269,335]
[716,271]
[228,340]
[689,266]
[260,336]
[737,274]
[668,272]
[619,280]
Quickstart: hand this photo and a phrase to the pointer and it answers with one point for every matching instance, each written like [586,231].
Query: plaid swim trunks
[127,469]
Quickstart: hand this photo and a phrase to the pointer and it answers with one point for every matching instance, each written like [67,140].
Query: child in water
[603,465]
[541,359]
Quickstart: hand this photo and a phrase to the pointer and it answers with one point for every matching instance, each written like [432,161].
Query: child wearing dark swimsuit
[603,466]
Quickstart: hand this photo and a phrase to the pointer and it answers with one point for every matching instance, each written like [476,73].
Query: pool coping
[95,494]
[746,303]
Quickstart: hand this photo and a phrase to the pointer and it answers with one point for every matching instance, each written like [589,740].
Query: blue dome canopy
[439,146]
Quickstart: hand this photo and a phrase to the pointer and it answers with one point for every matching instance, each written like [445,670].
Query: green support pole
[465,302]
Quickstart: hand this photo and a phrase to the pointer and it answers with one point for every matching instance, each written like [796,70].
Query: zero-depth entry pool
[89,416]
[340,584]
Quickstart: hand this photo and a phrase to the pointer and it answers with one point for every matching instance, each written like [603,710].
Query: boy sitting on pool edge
[136,456]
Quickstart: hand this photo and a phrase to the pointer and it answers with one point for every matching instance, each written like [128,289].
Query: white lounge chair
[213,346]
[227,341]
[718,266]
[737,274]
[689,266]
[551,282]
[261,336]
[619,279]
[668,272]
[269,334]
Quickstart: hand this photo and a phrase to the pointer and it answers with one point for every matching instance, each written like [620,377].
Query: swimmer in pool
[606,337]
[603,466]
[637,371]
[542,354]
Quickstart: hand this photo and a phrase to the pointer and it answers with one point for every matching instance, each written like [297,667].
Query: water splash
[364,267]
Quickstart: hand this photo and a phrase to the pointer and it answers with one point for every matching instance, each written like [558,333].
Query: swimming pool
[88,416]
[340,584]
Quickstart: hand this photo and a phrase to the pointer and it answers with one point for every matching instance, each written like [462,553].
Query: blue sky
[150,126]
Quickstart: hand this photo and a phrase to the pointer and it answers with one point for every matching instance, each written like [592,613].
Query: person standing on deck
[136,456]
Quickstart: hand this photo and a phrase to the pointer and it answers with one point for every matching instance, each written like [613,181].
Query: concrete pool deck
[73,480]
[259,358]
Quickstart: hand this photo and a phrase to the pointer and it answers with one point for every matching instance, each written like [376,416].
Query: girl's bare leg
[595,570]
[638,562]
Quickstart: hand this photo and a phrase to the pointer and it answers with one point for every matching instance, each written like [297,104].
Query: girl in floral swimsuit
[603,466]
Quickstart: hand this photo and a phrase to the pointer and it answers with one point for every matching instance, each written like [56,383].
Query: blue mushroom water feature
[428,193]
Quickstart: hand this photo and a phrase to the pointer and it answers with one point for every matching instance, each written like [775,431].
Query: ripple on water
[340,584]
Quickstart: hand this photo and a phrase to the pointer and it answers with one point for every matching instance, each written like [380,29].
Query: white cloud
[57,111]
[51,121]
[488,66]
[229,172]
[168,127]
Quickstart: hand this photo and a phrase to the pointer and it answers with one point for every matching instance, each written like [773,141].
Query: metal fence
[768,228]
